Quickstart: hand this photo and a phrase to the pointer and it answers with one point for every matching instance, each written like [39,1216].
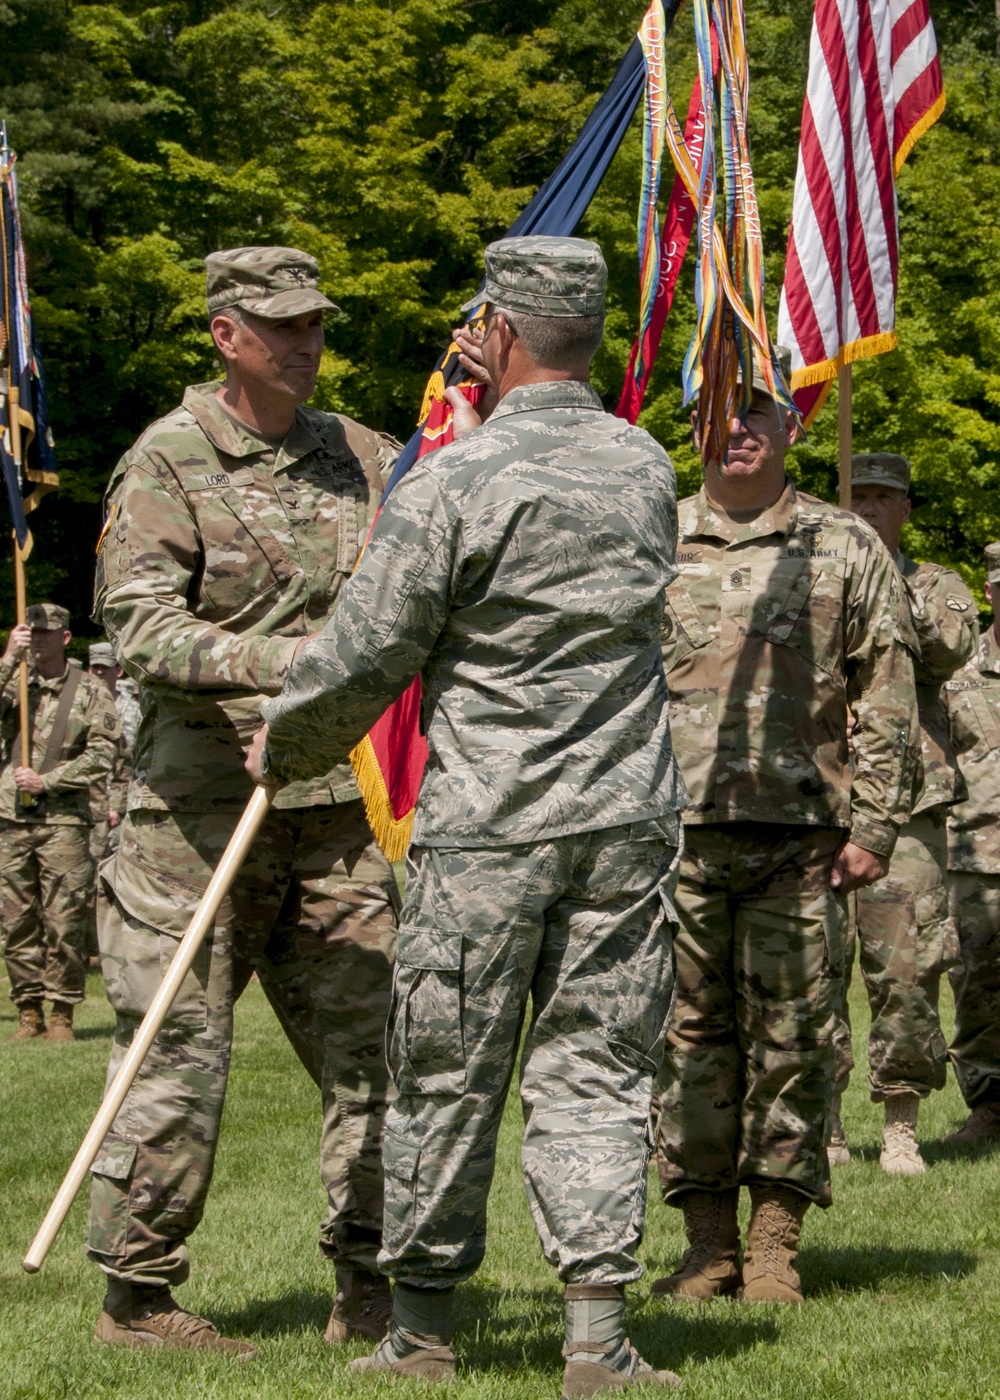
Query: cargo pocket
[647,987]
[110,1197]
[426,1049]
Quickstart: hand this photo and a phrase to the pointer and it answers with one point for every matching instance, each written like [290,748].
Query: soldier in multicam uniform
[107,798]
[521,572]
[973,700]
[785,614]
[45,867]
[232,524]
[906,935]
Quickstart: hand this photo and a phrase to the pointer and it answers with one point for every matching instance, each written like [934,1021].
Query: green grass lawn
[903,1276]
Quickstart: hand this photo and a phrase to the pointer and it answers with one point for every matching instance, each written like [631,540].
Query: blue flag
[27,458]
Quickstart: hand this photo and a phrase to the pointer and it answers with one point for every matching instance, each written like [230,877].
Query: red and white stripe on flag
[874,88]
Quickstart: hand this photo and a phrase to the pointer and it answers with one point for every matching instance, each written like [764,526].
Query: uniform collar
[551,393]
[48,682]
[706,520]
[229,437]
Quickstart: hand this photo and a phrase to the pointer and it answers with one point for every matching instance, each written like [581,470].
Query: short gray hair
[233,313]
[556,342]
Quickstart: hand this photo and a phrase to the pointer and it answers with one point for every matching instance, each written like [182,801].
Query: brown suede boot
[709,1269]
[30,1021]
[982,1125]
[362,1306]
[61,1022]
[769,1274]
[143,1315]
[900,1152]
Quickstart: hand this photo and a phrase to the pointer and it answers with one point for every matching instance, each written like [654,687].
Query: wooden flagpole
[202,920]
[844,434]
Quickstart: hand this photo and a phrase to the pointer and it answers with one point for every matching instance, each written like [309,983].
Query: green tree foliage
[393,139]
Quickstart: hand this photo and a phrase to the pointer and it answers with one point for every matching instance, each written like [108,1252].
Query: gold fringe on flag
[917,130]
[392,833]
[855,350]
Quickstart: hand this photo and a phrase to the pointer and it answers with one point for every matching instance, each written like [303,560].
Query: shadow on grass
[957,1151]
[853,1269]
[93,1032]
[304,1310]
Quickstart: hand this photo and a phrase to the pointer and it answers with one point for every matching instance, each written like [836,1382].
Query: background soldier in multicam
[232,524]
[521,572]
[973,701]
[45,866]
[785,613]
[906,935]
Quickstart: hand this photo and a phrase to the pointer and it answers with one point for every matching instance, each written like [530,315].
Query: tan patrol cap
[47,617]
[880,469]
[542,276]
[100,654]
[993,561]
[759,382]
[271,282]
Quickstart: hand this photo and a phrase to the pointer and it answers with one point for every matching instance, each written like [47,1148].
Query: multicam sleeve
[881,692]
[945,620]
[95,762]
[8,686]
[390,614]
[149,559]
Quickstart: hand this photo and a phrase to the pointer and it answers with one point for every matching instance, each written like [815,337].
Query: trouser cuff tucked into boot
[418,1342]
[900,1154]
[598,1355]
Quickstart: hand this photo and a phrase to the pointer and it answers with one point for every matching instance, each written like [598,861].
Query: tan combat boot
[900,1153]
[599,1357]
[362,1306]
[418,1340]
[982,1125]
[837,1150]
[61,1022]
[709,1268]
[142,1315]
[30,1021]
[769,1273]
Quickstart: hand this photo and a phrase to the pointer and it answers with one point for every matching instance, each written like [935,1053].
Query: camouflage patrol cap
[100,654]
[880,469]
[993,561]
[47,617]
[271,282]
[759,382]
[541,276]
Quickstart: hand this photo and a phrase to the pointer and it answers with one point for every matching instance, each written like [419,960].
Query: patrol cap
[100,654]
[271,282]
[47,617]
[993,561]
[880,469]
[759,383]
[542,276]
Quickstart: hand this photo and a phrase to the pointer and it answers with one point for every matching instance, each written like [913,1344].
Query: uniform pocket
[426,1047]
[647,985]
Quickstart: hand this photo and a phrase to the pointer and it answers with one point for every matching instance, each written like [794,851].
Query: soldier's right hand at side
[18,642]
[854,867]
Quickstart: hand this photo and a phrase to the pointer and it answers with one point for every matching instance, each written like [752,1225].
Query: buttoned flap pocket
[426,1049]
[984,707]
[243,559]
[799,602]
[682,630]
[115,1159]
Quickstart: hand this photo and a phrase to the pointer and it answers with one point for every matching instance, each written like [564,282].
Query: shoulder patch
[956,604]
[110,723]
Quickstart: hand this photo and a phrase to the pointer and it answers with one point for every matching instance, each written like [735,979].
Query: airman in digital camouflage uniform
[521,572]
[232,524]
[973,700]
[785,614]
[906,935]
[45,866]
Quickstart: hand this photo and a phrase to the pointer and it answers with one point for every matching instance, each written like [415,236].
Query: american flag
[874,88]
